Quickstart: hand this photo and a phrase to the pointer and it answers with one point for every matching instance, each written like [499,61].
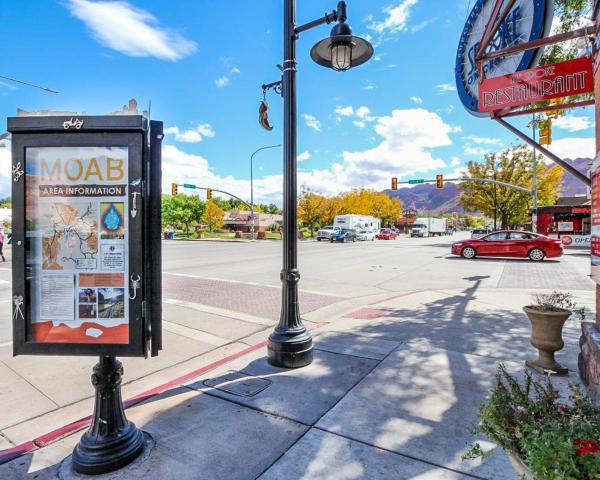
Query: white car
[480,233]
[364,235]
[325,232]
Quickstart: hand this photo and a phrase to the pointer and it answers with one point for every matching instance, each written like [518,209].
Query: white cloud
[192,135]
[311,121]
[132,31]
[417,100]
[362,115]
[406,137]
[363,112]
[455,162]
[222,81]
[421,25]
[483,140]
[477,151]
[344,111]
[574,147]
[446,87]
[396,19]
[235,70]
[368,87]
[572,123]
[304,156]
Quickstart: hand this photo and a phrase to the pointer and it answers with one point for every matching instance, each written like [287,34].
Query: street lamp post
[492,173]
[252,225]
[290,344]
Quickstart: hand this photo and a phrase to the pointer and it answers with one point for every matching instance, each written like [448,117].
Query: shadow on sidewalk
[418,402]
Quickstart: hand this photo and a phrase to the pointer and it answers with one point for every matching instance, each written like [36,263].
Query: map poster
[76,219]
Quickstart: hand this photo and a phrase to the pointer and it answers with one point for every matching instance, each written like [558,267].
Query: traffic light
[209,193]
[546,132]
[439,181]
[394,183]
[173,189]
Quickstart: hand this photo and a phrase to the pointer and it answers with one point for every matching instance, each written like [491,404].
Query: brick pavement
[547,275]
[257,300]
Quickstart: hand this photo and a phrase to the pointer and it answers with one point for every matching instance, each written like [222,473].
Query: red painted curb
[61,432]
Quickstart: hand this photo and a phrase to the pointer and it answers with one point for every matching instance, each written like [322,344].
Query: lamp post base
[290,350]
[112,441]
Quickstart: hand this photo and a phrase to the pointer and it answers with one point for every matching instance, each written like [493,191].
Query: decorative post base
[290,349]
[112,441]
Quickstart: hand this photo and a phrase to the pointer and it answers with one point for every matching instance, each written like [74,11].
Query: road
[220,297]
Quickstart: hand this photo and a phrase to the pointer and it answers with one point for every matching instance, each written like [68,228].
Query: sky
[201,64]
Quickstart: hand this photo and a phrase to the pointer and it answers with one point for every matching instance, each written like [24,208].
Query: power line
[47,89]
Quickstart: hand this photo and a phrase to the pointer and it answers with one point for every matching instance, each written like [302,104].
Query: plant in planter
[547,315]
[546,437]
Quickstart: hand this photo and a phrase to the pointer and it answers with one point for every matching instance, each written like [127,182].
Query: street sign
[189,185]
[418,180]
[86,235]
[563,79]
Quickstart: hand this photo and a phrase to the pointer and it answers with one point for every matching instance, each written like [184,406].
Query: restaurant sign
[572,77]
[84,220]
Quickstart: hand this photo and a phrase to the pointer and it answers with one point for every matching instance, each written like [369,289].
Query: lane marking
[254,284]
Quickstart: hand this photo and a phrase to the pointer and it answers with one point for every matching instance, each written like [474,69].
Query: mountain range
[427,198]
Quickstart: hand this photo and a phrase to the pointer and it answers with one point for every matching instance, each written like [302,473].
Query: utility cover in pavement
[238,383]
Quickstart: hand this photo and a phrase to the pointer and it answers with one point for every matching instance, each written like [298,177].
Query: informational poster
[77,243]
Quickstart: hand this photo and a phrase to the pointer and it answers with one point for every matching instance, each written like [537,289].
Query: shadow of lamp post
[290,344]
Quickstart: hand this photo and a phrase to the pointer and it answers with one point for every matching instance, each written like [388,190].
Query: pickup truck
[325,232]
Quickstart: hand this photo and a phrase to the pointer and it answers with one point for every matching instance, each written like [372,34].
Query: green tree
[514,166]
[5,203]
[214,215]
[182,211]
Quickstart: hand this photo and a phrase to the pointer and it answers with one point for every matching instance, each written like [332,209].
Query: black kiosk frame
[43,275]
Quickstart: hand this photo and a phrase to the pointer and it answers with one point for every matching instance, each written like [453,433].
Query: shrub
[554,438]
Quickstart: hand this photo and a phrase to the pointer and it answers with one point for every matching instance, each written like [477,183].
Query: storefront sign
[81,253]
[574,241]
[584,210]
[527,20]
[565,226]
[595,257]
[563,79]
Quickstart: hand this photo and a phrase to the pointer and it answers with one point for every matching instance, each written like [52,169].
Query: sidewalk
[391,394]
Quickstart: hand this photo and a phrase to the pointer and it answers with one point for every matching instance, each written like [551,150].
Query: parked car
[480,232]
[510,243]
[364,235]
[386,234]
[344,235]
[325,232]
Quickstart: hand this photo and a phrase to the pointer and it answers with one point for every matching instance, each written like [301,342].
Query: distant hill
[427,197]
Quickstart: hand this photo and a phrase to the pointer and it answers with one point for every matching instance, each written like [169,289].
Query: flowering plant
[554,437]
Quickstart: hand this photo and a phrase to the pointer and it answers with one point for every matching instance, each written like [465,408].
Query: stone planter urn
[520,467]
[546,336]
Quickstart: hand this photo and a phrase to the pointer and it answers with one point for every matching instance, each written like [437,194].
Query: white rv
[357,222]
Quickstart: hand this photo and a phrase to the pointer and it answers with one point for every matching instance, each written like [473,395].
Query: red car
[510,243]
[386,234]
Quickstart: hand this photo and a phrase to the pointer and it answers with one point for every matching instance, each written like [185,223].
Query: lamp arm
[327,18]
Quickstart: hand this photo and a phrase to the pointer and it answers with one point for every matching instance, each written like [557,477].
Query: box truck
[428,227]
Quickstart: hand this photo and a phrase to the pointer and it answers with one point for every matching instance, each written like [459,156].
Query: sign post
[86,258]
